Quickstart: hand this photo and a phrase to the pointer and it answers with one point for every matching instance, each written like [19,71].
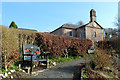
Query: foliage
[84,72]
[13,25]
[88,73]
[13,67]
[104,44]
[116,43]
[12,40]
[62,59]
[86,54]
[110,45]
[101,59]
[57,44]
[110,31]
[9,40]
[9,46]
[93,65]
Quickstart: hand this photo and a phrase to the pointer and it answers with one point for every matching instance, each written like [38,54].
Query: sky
[44,16]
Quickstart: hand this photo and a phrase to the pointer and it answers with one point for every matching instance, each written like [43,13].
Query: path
[63,70]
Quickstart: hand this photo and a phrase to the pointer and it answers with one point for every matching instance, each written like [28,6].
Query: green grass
[62,59]
[86,54]
[13,67]
[70,58]
[84,71]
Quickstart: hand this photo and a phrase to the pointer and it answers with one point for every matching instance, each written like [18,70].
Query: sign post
[31,65]
[32,53]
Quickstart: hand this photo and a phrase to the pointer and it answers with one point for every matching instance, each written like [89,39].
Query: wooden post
[31,65]
[23,61]
[47,62]
[39,63]
[0,60]
[23,55]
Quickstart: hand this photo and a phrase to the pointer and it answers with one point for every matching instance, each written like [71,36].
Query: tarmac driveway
[63,70]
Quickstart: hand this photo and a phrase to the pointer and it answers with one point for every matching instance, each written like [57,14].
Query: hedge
[56,44]
[12,40]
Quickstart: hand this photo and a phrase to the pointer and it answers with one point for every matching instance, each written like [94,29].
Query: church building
[92,30]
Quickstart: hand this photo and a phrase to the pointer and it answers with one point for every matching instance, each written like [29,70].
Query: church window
[71,34]
[80,35]
[94,35]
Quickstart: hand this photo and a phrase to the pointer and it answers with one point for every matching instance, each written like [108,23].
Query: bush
[104,44]
[57,44]
[9,46]
[86,54]
[116,43]
[13,39]
[109,45]
[93,65]
[101,59]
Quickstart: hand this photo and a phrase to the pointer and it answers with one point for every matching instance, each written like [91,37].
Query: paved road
[63,70]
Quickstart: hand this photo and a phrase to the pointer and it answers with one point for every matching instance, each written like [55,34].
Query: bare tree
[116,39]
[80,23]
[117,23]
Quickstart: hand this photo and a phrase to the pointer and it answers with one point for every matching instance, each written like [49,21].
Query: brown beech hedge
[56,44]
[12,40]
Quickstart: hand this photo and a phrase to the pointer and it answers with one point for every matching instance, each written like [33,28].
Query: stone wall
[64,31]
[67,32]
[81,30]
[90,29]
[58,31]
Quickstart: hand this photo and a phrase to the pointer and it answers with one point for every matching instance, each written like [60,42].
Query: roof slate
[72,26]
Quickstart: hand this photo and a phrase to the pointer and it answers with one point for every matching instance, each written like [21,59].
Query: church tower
[92,15]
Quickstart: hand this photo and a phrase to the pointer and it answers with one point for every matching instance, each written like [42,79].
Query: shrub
[57,44]
[112,44]
[101,59]
[116,43]
[104,44]
[86,54]
[9,46]
[93,65]
[13,39]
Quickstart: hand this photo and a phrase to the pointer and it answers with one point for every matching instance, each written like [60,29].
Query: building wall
[66,32]
[87,32]
[90,29]
[58,32]
[81,31]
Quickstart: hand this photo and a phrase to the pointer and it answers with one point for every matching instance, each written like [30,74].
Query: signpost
[32,53]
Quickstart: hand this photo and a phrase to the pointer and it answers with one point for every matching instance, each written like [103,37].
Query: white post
[19,66]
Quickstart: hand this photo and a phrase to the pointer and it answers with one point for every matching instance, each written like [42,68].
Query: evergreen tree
[13,25]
